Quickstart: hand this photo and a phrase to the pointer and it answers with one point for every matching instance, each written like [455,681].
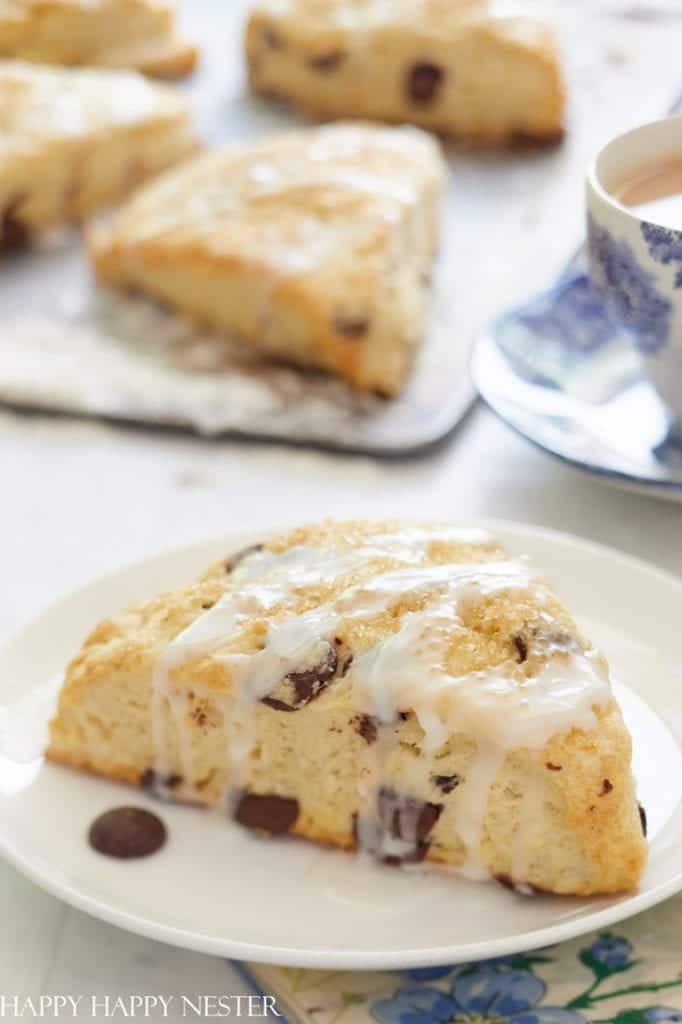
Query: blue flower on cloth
[426,973]
[491,992]
[663,1015]
[610,951]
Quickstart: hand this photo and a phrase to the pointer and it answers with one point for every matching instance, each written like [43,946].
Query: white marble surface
[78,499]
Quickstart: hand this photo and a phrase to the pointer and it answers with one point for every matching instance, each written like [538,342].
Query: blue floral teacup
[635,263]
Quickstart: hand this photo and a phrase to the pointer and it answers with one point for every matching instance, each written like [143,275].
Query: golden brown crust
[135,34]
[482,78]
[172,60]
[54,171]
[312,247]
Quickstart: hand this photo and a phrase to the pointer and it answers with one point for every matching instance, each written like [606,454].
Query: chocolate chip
[446,783]
[397,819]
[403,715]
[521,888]
[327,62]
[346,665]
[272,38]
[367,727]
[154,782]
[428,817]
[351,327]
[606,787]
[553,767]
[299,688]
[127,832]
[527,142]
[267,812]
[522,647]
[207,605]
[424,81]
[642,819]
[14,234]
[233,561]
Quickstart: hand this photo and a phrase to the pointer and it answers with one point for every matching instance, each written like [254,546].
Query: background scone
[409,690]
[314,247]
[457,67]
[72,141]
[116,33]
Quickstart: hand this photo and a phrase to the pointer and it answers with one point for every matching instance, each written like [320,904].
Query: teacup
[635,251]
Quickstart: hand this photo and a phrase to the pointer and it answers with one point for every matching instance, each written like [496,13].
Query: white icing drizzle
[471,801]
[266,580]
[407,671]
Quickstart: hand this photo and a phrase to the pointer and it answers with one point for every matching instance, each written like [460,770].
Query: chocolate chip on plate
[127,832]
[266,812]
[424,81]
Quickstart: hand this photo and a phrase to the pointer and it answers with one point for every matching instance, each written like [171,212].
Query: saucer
[563,374]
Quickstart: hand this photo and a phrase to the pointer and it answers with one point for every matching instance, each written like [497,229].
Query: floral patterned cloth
[631,974]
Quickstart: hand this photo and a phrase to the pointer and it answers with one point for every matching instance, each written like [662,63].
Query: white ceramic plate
[220,890]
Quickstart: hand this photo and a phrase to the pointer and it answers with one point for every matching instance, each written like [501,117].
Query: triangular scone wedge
[410,690]
[137,34]
[473,69]
[313,247]
[73,141]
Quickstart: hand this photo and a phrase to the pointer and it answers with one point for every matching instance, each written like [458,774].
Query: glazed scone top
[440,622]
[41,104]
[293,201]
[309,17]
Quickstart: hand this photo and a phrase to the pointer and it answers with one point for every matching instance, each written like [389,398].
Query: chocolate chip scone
[412,691]
[136,34]
[313,247]
[73,141]
[462,68]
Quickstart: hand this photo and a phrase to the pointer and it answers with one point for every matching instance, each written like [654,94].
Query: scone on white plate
[473,69]
[116,33]
[73,141]
[409,690]
[313,247]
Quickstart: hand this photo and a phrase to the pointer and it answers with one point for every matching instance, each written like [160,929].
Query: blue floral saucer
[565,376]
